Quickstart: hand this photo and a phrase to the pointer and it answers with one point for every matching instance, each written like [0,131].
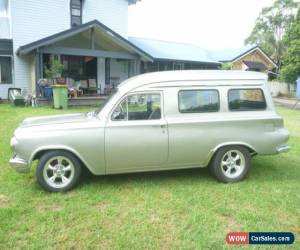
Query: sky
[211,24]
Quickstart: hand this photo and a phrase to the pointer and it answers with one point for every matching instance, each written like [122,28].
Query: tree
[291,60]
[226,66]
[270,27]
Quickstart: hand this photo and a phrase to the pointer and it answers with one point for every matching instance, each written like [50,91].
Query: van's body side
[190,140]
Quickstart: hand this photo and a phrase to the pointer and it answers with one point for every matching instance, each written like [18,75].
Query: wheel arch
[41,150]
[251,149]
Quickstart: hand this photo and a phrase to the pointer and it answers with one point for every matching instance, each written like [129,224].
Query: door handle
[159,126]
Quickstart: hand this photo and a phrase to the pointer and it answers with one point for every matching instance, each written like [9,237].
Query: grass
[176,209]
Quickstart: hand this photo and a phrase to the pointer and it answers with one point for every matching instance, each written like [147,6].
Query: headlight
[13,143]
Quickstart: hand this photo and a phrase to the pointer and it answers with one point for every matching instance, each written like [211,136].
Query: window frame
[138,93]
[11,70]
[241,110]
[71,15]
[181,66]
[198,112]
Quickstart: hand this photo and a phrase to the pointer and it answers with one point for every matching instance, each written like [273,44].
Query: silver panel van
[158,121]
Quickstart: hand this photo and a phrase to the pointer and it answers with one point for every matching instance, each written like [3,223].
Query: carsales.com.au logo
[281,238]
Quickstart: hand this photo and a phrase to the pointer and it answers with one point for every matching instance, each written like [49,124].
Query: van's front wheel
[58,171]
[231,164]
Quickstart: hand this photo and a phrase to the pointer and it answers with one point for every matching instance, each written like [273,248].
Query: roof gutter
[26,49]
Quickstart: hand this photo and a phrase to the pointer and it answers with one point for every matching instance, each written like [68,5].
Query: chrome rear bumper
[19,164]
[283,149]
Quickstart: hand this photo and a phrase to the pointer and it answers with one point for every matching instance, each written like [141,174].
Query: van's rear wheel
[58,171]
[231,164]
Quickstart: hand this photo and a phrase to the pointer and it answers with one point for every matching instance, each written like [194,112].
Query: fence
[281,88]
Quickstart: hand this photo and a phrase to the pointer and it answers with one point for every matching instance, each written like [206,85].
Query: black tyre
[58,171]
[231,164]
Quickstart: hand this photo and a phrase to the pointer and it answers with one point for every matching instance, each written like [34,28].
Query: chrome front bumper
[19,164]
[283,149]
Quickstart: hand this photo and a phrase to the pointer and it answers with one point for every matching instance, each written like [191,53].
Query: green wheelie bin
[60,96]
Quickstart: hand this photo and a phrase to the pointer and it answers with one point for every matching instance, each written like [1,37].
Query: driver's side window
[138,107]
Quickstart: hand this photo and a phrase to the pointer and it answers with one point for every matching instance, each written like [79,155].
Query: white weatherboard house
[91,40]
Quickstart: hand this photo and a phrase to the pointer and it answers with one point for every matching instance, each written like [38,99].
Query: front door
[136,134]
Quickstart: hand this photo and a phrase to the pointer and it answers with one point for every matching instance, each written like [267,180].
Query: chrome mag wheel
[233,163]
[58,172]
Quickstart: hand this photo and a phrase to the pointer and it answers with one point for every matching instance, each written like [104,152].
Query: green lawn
[176,209]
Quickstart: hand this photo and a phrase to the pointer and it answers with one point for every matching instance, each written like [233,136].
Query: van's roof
[192,75]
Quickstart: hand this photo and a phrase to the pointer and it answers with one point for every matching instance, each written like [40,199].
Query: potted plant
[54,71]
[59,87]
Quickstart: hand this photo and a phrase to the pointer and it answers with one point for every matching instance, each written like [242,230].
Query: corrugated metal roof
[173,50]
[228,55]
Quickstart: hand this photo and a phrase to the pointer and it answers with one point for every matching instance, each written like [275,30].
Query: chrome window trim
[160,92]
[242,110]
[199,112]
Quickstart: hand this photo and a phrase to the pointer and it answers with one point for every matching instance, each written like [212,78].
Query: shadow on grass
[263,169]
[185,175]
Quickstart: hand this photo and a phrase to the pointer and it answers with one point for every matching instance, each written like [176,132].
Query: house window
[76,12]
[198,101]
[178,66]
[246,100]
[5,70]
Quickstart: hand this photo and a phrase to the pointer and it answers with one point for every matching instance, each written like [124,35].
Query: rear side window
[198,101]
[246,99]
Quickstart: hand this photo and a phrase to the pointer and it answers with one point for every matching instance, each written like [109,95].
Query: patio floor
[78,101]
